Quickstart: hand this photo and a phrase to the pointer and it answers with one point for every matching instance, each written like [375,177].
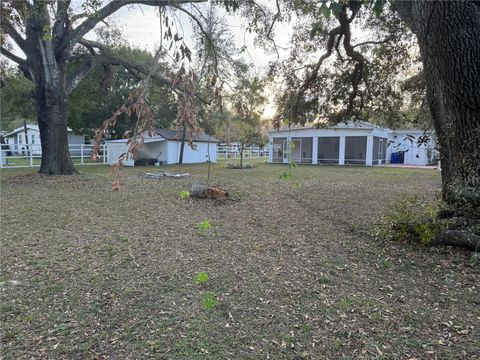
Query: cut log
[204,191]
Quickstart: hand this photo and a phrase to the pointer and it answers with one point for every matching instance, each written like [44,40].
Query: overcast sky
[142,29]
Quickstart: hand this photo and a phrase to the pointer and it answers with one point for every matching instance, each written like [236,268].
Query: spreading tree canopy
[48,33]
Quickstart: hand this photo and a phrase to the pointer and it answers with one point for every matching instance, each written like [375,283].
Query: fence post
[104,153]
[31,154]
[81,154]
[1,156]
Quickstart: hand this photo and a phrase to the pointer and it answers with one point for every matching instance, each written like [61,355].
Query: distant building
[351,143]
[17,143]
[164,148]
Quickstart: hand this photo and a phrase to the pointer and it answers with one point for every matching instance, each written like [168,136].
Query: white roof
[360,125]
[29,126]
[146,140]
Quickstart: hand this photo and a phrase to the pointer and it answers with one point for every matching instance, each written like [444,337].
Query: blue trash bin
[394,159]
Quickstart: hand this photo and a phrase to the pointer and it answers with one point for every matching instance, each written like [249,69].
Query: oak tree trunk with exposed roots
[448,35]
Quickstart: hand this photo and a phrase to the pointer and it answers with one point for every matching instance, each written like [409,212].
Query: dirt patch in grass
[292,271]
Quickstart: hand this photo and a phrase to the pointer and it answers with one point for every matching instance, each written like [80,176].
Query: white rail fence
[233,152]
[30,155]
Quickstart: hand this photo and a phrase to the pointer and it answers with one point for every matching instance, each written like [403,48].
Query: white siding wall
[73,139]
[114,150]
[414,154]
[173,151]
[191,156]
[200,155]
[167,151]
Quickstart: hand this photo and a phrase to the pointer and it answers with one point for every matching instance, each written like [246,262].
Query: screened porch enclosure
[278,149]
[328,150]
[347,147]
[301,150]
[356,150]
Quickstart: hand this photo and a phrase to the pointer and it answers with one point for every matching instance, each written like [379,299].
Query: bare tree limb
[113,60]
[14,34]
[80,73]
[358,57]
[343,30]
[314,73]
[269,32]
[13,57]
[61,19]
[204,32]
[107,56]
[111,8]
[379,42]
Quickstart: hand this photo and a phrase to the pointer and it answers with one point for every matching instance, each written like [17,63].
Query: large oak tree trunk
[52,123]
[448,34]
[52,103]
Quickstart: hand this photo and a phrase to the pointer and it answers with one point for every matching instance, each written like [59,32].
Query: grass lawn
[87,273]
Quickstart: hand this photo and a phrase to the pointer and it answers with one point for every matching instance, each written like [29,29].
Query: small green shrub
[209,300]
[412,219]
[184,194]
[201,278]
[285,175]
[204,225]
[474,260]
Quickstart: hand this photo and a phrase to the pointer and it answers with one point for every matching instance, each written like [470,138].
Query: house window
[33,139]
[194,147]
[20,138]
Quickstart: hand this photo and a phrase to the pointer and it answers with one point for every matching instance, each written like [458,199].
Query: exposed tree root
[459,238]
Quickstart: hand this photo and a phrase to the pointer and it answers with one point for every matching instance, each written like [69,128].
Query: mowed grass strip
[293,271]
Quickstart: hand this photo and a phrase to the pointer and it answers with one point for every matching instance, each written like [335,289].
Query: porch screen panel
[376,150]
[356,150]
[379,150]
[384,157]
[277,156]
[328,149]
[307,150]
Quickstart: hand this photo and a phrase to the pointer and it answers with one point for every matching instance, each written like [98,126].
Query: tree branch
[379,42]
[359,58]
[61,18]
[313,75]
[107,56]
[111,8]
[113,60]
[80,73]
[14,34]
[13,57]
[269,32]
[343,30]
[204,32]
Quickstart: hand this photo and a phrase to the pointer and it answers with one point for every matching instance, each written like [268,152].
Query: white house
[164,148]
[349,143]
[415,152]
[17,140]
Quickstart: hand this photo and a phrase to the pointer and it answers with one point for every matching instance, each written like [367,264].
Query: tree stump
[209,192]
